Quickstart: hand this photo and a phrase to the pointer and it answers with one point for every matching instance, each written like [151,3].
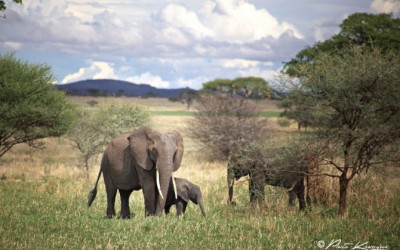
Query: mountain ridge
[111,87]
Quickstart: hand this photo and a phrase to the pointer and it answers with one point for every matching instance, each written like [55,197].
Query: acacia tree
[188,96]
[225,124]
[97,126]
[354,99]
[30,108]
[370,30]
[248,87]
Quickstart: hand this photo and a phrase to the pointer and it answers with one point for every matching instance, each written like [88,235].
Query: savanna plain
[43,202]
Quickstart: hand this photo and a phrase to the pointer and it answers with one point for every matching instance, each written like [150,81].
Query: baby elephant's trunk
[203,211]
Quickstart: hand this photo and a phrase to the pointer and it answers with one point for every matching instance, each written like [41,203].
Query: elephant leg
[257,183]
[167,208]
[180,207]
[149,190]
[292,197]
[125,211]
[259,193]
[300,194]
[111,193]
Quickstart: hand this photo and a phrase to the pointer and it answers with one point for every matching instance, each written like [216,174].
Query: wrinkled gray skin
[259,177]
[130,162]
[186,191]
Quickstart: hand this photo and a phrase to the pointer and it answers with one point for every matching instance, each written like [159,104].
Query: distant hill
[107,87]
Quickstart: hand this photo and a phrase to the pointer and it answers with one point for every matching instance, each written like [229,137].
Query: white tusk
[158,184]
[174,185]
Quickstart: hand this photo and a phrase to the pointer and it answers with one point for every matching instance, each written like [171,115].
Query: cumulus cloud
[148,78]
[386,6]
[178,16]
[236,21]
[96,70]
[203,40]
[240,63]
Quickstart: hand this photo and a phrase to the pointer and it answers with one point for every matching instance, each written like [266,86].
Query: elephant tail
[93,193]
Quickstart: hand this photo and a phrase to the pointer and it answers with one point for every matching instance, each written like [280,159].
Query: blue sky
[172,43]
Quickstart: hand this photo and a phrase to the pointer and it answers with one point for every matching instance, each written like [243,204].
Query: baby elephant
[186,191]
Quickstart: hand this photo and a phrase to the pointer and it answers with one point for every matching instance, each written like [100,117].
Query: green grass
[191,113]
[51,213]
[43,206]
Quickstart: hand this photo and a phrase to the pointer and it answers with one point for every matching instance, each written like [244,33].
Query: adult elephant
[144,159]
[261,175]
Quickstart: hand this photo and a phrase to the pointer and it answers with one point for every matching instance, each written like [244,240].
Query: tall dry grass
[43,206]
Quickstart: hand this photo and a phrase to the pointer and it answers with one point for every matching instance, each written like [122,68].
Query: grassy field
[43,204]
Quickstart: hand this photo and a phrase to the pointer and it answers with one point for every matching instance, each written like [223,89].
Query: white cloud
[175,43]
[236,21]
[96,70]
[194,83]
[148,78]
[267,74]
[240,21]
[240,63]
[178,16]
[13,45]
[386,6]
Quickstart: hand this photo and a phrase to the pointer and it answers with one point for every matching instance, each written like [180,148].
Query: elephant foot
[110,213]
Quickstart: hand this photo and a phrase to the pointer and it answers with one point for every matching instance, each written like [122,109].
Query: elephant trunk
[203,211]
[159,186]
[163,182]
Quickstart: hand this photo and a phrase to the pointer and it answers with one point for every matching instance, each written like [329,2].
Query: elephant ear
[183,192]
[179,151]
[139,142]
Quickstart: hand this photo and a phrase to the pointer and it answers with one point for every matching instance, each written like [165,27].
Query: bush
[226,123]
[97,126]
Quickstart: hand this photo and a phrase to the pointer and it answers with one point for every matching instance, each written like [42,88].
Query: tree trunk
[343,185]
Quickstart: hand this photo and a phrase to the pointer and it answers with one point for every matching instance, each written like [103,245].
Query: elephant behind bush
[261,175]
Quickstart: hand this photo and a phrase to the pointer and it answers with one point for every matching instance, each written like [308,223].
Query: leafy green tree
[97,126]
[217,86]
[30,108]
[249,87]
[371,30]
[354,99]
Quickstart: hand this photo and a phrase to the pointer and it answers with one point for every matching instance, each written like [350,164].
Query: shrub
[97,126]
[225,124]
